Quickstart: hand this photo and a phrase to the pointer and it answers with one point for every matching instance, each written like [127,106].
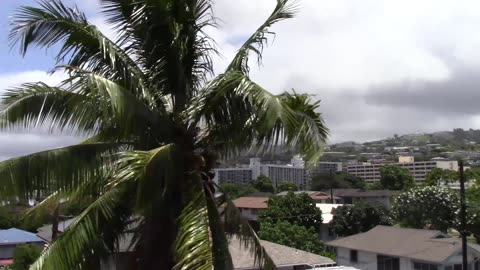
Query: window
[454,267]
[387,263]
[424,266]
[353,256]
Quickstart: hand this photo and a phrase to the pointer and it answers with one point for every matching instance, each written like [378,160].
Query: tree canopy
[263,184]
[155,121]
[396,178]
[297,209]
[24,256]
[234,191]
[426,207]
[287,186]
[439,176]
[324,181]
[360,217]
[291,235]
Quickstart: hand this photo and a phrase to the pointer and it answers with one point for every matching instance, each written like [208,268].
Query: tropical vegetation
[155,120]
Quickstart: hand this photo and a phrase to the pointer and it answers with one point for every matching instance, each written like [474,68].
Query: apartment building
[370,172]
[326,167]
[295,172]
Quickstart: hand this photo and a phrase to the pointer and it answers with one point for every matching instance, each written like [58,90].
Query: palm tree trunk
[55,221]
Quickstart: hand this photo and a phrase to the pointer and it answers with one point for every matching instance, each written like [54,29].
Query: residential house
[11,238]
[326,232]
[250,206]
[317,196]
[392,248]
[285,258]
[351,196]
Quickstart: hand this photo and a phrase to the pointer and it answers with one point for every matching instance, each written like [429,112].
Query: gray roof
[45,232]
[351,192]
[14,236]
[280,254]
[425,245]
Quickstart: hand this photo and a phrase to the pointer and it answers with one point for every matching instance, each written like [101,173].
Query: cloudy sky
[379,66]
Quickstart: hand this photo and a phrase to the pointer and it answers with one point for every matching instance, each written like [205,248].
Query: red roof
[251,202]
[6,261]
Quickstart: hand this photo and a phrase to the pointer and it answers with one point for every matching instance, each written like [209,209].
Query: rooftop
[251,202]
[425,245]
[281,255]
[15,236]
[351,192]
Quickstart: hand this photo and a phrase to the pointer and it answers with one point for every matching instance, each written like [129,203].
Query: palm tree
[155,125]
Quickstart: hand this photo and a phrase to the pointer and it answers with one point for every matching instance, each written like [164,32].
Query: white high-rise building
[371,172]
[294,173]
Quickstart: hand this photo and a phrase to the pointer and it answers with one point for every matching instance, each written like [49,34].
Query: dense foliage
[299,209]
[287,186]
[291,235]
[234,191]
[426,207]
[155,121]
[360,217]
[263,184]
[439,177]
[396,178]
[24,256]
[324,181]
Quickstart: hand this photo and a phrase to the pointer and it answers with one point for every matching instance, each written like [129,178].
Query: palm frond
[169,37]
[193,247]
[237,226]
[42,106]
[59,170]
[94,232]
[233,102]
[284,9]
[83,44]
[154,171]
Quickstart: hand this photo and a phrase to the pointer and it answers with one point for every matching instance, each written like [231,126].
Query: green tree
[297,209]
[7,220]
[24,256]
[156,126]
[324,181]
[426,207]
[287,186]
[263,184]
[360,217]
[234,191]
[396,178]
[439,176]
[291,235]
[472,196]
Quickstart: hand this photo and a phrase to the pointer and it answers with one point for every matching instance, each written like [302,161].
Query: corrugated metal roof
[16,236]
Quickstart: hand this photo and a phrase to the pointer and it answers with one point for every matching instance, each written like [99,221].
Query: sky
[379,67]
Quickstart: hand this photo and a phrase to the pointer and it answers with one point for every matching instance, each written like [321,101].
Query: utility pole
[463,219]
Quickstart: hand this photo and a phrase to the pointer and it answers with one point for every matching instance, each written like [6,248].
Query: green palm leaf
[59,170]
[42,106]
[107,217]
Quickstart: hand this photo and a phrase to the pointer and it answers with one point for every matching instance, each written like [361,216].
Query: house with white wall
[392,248]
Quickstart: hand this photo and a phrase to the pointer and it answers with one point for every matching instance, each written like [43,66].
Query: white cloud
[9,80]
[343,50]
